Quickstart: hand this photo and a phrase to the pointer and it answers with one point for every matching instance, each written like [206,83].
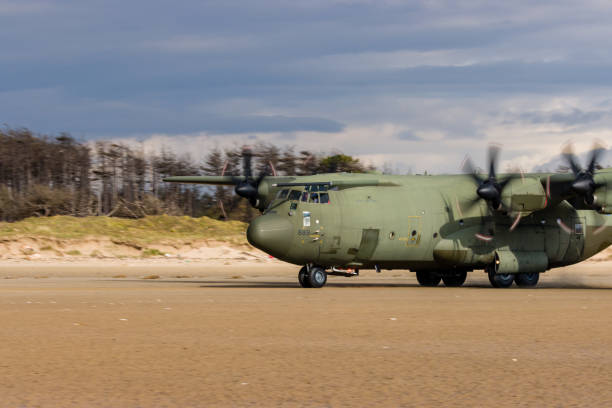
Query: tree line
[45,175]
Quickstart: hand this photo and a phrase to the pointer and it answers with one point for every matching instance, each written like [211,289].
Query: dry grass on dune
[104,237]
[142,231]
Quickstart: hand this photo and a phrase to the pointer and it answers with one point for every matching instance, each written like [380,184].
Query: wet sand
[72,335]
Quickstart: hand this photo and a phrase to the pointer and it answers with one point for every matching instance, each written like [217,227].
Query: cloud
[408,135]
[572,117]
[197,43]
[361,76]
[15,8]
[583,158]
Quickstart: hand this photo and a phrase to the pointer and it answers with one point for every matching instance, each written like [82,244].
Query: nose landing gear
[311,276]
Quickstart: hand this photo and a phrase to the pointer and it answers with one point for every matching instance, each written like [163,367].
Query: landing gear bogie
[312,277]
[428,278]
[454,279]
[303,277]
[527,280]
[499,280]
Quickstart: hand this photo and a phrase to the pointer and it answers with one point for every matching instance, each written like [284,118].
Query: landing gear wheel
[303,278]
[428,278]
[500,280]
[317,277]
[454,279]
[526,280]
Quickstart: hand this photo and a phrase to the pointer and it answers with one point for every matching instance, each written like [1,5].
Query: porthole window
[435,235]
[414,233]
[391,235]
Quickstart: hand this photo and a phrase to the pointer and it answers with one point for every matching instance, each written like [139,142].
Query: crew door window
[295,195]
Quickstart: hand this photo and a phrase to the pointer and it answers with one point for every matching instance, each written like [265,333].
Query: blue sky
[414,85]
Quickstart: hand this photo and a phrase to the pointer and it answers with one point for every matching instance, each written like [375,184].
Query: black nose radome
[271,233]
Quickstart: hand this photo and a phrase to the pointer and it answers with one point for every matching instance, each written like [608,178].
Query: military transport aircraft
[514,226]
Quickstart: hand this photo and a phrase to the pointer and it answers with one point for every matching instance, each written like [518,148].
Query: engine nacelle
[603,198]
[525,195]
[520,261]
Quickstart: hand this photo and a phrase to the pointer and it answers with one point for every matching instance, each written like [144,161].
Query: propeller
[488,188]
[584,185]
[248,187]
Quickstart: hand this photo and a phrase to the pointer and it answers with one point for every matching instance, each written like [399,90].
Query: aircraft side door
[579,227]
[327,224]
[303,216]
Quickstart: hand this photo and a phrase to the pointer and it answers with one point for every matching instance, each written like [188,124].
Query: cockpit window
[314,197]
[305,196]
[316,187]
[295,195]
[324,198]
[283,194]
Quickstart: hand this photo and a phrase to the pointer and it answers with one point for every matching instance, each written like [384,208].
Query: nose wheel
[312,277]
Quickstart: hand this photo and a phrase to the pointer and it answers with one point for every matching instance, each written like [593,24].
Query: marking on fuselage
[414,224]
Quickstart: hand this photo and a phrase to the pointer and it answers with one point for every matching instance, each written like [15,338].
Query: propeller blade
[508,178]
[473,203]
[601,221]
[247,188]
[492,157]
[219,201]
[273,168]
[570,159]
[247,155]
[263,174]
[516,222]
[222,208]
[469,169]
[596,153]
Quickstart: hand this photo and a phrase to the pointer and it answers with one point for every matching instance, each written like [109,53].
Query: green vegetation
[45,175]
[341,162]
[136,232]
[96,254]
[146,253]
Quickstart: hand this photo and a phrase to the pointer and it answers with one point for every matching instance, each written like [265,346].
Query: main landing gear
[312,276]
[504,280]
[454,278]
[428,278]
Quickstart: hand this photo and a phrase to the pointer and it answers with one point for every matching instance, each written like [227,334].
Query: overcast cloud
[416,85]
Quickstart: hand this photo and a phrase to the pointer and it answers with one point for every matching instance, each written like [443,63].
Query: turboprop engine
[524,195]
[603,195]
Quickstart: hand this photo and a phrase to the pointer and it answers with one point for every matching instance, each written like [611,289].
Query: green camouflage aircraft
[514,226]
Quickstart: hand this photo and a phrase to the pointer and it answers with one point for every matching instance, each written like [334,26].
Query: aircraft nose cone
[271,234]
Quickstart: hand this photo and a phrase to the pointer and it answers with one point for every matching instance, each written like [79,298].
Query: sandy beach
[170,333]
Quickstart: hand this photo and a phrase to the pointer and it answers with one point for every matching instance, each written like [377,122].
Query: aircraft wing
[214,180]
[339,183]
[233,180]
